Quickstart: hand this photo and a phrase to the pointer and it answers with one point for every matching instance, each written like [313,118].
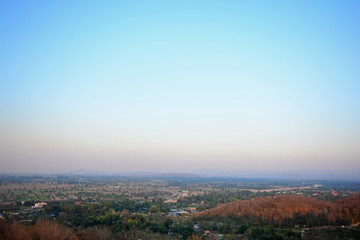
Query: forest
[291,209]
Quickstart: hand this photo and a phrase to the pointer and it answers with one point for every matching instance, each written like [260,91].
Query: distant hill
[334,175]
[170,175]
[349,175]
[286,207]
[85,172]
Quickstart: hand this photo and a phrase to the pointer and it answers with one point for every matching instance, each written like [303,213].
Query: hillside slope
[283,207]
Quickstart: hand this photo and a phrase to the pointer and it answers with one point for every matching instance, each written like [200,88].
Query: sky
[179,85]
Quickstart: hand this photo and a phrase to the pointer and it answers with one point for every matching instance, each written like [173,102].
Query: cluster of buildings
[177,213]
[180,212]
[177,196]
[39,205]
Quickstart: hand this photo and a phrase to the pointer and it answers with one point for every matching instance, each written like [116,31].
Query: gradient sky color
[179,85]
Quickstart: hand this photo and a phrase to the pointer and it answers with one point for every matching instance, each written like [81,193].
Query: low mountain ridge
[285,207]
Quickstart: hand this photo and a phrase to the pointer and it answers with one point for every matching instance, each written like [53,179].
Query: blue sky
[179,85]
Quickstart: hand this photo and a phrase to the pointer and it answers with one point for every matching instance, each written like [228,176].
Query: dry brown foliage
[194,237]
[50,230]
[42,230]
[15,231]
[285,206]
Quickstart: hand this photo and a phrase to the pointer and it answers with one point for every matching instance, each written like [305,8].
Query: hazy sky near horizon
[179,85]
